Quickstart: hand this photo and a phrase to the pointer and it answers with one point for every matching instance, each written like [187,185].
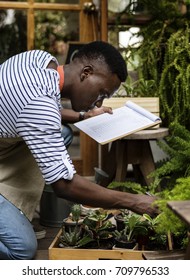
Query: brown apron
[21,181]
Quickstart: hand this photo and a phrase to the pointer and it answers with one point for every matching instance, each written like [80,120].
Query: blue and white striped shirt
[30,109]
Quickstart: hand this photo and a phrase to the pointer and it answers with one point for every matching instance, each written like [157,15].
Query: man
[32,150]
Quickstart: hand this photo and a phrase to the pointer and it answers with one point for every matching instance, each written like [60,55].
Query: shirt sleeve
[39,125]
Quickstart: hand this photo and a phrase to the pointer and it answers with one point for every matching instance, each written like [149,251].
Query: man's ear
[86,72]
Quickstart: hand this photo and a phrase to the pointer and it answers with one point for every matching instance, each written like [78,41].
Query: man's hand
[98,111]
[145,204]
[71,116]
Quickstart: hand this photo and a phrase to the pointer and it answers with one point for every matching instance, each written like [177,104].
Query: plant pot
[101,177]
[85,210]
[125,244]
[104,243]
[119,222]
[142,241]
[68,223]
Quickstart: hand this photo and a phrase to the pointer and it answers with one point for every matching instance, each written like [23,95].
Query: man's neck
[61,74]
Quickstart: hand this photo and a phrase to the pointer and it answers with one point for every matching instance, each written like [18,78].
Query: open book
[125,120]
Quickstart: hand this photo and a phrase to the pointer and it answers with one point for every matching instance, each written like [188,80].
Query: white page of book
[142,111]
[109,127]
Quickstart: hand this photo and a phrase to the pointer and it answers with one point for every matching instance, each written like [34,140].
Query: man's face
[94,86]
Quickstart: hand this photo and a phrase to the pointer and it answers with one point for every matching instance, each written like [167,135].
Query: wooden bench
[134,149]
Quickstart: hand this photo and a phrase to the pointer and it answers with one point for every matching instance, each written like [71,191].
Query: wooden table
[135,149]
[182,210]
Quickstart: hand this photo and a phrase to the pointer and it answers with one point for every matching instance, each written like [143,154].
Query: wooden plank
[149,103]
[181,209]
[93,254]
[89,153]
[88,24]
[30,28]
[164,255]
[39,6]
[103,20]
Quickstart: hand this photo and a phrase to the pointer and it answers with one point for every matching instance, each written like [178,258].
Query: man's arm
[80,190]
[71,116]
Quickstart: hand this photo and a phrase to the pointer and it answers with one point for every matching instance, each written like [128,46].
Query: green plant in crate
[73,220]
[134,226]
[76,212]
[98,225]
[74,238]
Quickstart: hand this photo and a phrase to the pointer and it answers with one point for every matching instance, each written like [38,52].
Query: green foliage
[152,222]
[167,221]
[177,147]
[76,212]
[140,87]
[74,238]
[174,89]
[97,225]
[164,57]
[127,186]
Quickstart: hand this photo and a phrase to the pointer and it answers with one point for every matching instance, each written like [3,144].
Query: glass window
[53,29]
[13,30]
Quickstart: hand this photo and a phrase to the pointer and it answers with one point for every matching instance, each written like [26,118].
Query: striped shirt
[30,109]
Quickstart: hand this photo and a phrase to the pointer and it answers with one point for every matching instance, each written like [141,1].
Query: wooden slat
[39,6]
[30,28]
[13,5]
[89,153]
[181,209]
[164,255]
[103,20]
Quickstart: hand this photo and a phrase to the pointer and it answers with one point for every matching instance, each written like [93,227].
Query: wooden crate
[56,253]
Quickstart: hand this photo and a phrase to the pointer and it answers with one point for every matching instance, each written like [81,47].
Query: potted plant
[100,228]
[122,239]
[135,226]
[74,219]
[120,219]
[139,87]
[85,210]
[74,238]
[127,186]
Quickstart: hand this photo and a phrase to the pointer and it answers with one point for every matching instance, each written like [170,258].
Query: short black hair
[104,50]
